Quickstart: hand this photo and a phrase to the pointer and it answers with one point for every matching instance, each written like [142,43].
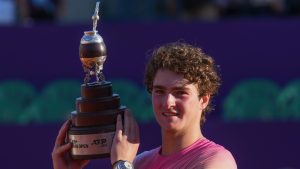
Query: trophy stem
[95,17]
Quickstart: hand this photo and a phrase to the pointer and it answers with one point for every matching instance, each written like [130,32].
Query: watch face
[124,165]
[127,165]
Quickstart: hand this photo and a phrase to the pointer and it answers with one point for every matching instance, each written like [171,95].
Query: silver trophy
[94,120]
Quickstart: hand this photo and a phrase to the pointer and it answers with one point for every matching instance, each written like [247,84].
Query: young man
[182,80]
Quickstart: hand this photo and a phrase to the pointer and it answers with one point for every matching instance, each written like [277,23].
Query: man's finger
[62,149]
[127,125]
[62,134]
[131,126]
[136,132]
[84,162]
[134,129]
[119,126]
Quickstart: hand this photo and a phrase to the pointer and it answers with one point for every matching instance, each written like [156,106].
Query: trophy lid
[92,36]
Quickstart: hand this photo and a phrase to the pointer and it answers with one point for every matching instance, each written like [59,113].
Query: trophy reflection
[94,120]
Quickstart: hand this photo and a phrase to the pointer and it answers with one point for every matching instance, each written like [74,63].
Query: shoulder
[145,157]
[211,155]
[221,159]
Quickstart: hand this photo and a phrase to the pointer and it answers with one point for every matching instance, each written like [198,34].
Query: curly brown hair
[189,61]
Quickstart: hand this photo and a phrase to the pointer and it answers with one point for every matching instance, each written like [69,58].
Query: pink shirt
[203,154]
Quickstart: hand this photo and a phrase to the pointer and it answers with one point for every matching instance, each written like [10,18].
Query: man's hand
[61,152]
[126,141]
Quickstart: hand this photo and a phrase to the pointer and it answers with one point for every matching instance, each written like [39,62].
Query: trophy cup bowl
[94,120]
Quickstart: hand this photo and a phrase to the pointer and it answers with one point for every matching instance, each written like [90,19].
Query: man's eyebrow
[180,88]
[158,87]
[183,87]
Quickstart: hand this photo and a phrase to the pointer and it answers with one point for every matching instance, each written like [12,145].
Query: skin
[178,110]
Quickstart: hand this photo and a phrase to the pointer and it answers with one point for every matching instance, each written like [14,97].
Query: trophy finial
[92,51]
[95,17]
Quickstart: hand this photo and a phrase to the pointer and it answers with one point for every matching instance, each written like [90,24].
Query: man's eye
[180,92]
[158,91]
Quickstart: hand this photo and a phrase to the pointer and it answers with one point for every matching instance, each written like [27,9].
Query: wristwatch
[121,164]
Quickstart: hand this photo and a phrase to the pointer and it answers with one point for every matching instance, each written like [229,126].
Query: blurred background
[255,42]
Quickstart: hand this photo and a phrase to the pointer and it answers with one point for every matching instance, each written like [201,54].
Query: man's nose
[169,101]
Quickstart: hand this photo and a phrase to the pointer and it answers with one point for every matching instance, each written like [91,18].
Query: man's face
[175,102]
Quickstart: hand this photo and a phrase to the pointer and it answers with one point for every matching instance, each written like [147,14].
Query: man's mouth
[169,114]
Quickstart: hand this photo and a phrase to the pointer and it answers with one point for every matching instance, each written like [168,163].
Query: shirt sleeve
[138,161]
[222,160]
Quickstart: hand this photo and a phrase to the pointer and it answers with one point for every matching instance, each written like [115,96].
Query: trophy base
[91,142]
[94,121]
[88,157]
[89,119]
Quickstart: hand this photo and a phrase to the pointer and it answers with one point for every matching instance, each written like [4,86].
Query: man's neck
[173,142]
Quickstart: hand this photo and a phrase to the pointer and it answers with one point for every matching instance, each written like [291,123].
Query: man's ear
[204,100]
